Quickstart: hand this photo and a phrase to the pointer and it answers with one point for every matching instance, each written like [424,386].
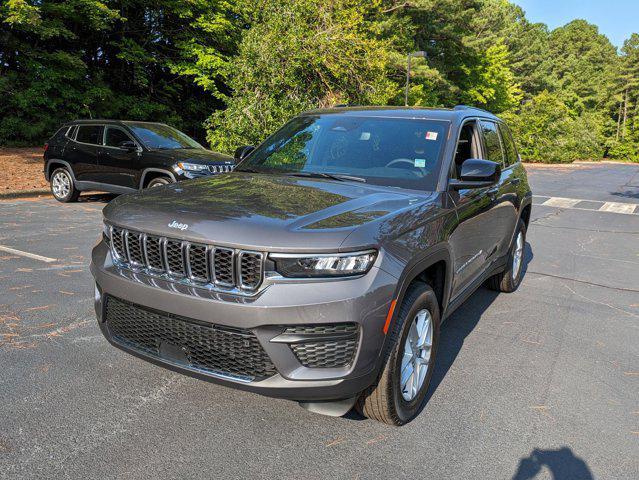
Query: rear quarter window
[511,155]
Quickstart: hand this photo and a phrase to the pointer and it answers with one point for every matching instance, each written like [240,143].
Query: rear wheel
[399,393]
[508,281]
[158,182]
[62,186]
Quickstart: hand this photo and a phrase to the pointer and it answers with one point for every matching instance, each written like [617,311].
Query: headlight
[323,265]
[192,167]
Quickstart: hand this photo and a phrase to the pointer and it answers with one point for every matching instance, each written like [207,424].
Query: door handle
[515,181]
[492,193]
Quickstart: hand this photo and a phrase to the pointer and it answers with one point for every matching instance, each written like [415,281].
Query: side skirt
[103,187]
[493,269]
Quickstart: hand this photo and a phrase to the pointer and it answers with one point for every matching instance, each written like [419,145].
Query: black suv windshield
[162,137]
[384,151]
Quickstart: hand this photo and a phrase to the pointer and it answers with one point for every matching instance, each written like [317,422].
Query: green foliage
[299,55]
[548,132]
[233,71]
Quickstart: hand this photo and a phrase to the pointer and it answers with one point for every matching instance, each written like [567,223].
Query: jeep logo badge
[179,226]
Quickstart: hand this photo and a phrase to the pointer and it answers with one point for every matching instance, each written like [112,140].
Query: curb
[25,193]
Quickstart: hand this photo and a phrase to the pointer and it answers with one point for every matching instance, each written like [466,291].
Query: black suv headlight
[323,265]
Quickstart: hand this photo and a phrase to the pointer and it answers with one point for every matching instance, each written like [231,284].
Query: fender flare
[47,174]
[438,253]
[168,173]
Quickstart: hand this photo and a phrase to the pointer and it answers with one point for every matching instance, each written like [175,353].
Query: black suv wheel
[400,392]
[62,186]
[508,281]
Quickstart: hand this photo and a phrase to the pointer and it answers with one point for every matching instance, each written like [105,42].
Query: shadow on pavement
[562,463]
[627,194]
[460,324]
[96,197]
[455,330]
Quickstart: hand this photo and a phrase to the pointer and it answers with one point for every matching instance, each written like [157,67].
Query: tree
[301,54]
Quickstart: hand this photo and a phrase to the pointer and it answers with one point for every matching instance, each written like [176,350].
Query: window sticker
[365,136]
[420,162]
[431,135]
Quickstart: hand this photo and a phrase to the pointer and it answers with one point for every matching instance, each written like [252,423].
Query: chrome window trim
[75,135]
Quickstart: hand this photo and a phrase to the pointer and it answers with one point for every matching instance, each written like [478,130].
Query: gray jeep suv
[320,270]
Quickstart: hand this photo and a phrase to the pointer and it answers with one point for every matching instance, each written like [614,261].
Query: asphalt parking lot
[542,383]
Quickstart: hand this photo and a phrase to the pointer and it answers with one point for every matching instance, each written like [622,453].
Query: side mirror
[242,152]
[476,173]
[128,145]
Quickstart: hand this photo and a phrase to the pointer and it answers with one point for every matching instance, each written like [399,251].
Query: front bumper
[363,301]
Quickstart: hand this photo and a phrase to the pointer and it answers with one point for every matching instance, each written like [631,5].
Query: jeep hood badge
[179,226]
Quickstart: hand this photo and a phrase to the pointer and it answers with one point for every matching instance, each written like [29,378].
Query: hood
[195,155]
[262,212]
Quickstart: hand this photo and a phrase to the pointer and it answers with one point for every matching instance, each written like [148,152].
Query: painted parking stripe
[590,205]
[561,202]
[27,254]
[618,207]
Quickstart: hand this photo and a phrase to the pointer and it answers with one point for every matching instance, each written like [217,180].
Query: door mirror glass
[242,152]
[476,173]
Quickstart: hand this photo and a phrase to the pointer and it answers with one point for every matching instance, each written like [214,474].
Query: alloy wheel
[417,352]
[518,254]
[61,185]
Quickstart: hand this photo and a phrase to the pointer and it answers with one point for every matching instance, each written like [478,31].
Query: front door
[119,166]
[477,235]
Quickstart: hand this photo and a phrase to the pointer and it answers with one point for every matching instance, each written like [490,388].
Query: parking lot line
[582,204]
[27,254]
[618,207]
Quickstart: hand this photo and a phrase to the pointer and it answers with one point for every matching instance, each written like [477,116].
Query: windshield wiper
[333,176]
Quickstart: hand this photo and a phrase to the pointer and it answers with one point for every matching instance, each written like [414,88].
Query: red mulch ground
[21,169]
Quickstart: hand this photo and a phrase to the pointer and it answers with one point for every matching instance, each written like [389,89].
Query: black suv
[320,270]
[123,157]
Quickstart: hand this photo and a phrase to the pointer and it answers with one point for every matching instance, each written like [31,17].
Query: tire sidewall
[407,410]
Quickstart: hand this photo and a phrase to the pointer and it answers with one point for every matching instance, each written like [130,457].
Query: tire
[384,401]
[62,186]
[158,182]
[508,281]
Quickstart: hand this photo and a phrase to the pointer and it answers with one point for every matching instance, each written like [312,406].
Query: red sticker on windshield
[431,135]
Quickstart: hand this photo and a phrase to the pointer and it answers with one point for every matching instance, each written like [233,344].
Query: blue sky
[616,19]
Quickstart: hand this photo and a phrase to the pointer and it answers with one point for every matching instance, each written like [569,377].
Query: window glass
[115,136]
[89,134]
[158,136]
[384,151]
[492,144]
[509,145]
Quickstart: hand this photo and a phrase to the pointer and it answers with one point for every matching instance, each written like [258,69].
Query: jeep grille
[203,265]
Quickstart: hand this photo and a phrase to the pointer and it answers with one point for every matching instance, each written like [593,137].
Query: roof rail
[468,107]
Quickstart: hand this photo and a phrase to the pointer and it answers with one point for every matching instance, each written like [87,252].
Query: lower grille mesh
[214,349]
[327,353]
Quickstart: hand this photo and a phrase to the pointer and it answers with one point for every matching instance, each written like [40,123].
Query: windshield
[383,151]
[162,137]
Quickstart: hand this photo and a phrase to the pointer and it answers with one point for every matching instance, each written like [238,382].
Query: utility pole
[413,54]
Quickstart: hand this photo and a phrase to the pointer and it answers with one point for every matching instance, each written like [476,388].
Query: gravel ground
[21,169]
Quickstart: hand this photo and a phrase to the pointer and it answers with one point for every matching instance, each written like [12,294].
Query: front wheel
[158,182]
[62,186]
[400,392]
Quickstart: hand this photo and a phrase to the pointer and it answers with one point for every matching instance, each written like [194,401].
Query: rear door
[83,150]
[119,166]
[504,215]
